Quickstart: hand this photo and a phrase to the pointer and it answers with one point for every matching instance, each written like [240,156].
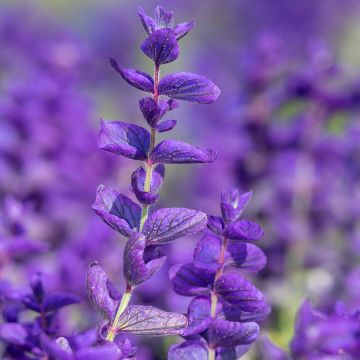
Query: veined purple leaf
[245,230]
[161,46]
[178,152]
[59,300]
[235,289]
[124,139]
[138,184]
[148,320]
[207,253]
[138,266]
[198,315]
[163,18]
[117,210]
[183,29]
[168,224]
[195,350]
[189,87]
[216,224]
[189,281]
[245,256]
[233,204]
[98,286]
[13,333]
[147,22]
[135,78]
[166,125]
[224,333]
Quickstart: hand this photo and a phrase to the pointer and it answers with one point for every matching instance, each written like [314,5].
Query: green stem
[122,306]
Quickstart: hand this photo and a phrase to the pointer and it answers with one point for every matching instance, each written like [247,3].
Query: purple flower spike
[189,281]
[138,184]
[135,78]
[235,289]
[207,253]
[189,87]
[178,152]
[98,286]
[223,333]
[183,29]
[117,210]
[137,268]
[166,125]
[168,224]
[124,139]
[198,315]
[148,320]
[195,350]
[245,230]
[233,204]
[161,46]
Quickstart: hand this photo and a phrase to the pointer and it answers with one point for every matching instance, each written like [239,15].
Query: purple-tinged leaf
[245,256]
[233,353]
[189,87]
[234,313]
[178,152]
[56,301]
[216,224]
[166,125]
[194,350]
[207,253]
[117,210]
[108,351]
[224,333]
[183,29]
[235,289]
[135,78]
[189,281]
[245,230]
[53,348]
[98,286]
[13,333]
[151,111]
[198,315]
[148,320]
[168,224]
[124,139]
[138,268]
[161,46]
[163,18]
[138,184]
[147,22]
[233,204]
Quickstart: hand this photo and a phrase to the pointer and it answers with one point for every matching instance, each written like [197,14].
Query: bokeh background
[286,126]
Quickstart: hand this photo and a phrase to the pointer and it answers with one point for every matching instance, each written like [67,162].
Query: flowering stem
[122,306]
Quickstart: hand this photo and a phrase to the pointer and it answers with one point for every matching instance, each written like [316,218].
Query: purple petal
[13,333]
[163,18]
[161,46]
[194,350]
[207,253]
[233,204]
[135,78]
[98,291]
[148,320]
[59,300]
[189,87]
[216,224]
[245,256]
[168,224]
[198,315]
[224,333]
[189,281]
[246,230]
[166,125]
[117,210]
[108,351]
[147,22]
[136,269]
[235,289]
[178,152]
[182,29]
[124,139]
[138,184]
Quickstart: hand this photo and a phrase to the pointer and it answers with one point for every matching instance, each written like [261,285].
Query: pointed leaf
[233,204]
[117,210]
[147,22]
[168,224]
[207,253]
[194,350]
[59,300]
[124,139]
[148,320]
[183,29]
[178,152]
[245,230]
[166,125]
[189,87]
[135,78]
